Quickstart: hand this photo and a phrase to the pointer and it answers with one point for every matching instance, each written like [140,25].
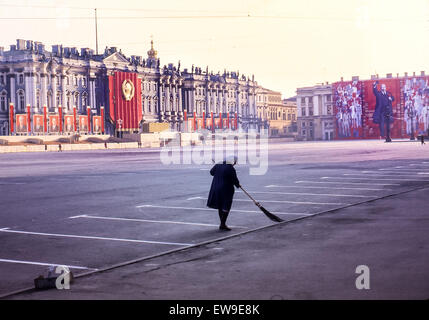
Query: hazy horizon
[284,44]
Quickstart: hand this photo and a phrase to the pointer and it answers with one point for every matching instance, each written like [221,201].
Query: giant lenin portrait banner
[359,110]
[125,105]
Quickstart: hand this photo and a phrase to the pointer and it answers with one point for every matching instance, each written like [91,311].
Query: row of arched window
[72,99]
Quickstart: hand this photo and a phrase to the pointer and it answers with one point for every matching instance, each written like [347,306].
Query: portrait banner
[83,124]
[96,124]
[21,123]
[68,124]
[372,88]
[54,123]
[38,123]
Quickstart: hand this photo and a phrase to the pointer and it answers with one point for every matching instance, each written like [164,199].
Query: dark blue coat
[222,188]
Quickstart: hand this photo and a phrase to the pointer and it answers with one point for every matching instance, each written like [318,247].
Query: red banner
[38,123]
[212,122]
[348,109]
[28,118]
[185,116]
[204,120]
[227,120]
[371,129]
[88,112]
[195,121]
[83,124]
[97,124]
[69,123]
[220,120]
[125,100]
[74,118]
[102,119]
[45,120]
[54,123]
[60,115]
[11,118]
[415,111]
[21,123]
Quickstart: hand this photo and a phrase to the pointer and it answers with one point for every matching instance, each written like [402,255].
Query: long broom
[265,211]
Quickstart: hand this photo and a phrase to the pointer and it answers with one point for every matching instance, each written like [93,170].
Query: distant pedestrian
[105,145]
[60,148]
[422,139]
[222,189]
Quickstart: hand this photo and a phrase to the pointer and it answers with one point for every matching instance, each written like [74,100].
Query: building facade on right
[315,113]
[376,108]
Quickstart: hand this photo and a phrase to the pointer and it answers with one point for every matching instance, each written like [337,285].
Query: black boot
[224,216]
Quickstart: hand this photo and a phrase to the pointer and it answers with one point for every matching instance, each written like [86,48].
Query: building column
[43,90]
[12,90]
[92,99]
[63,93]
[54,91]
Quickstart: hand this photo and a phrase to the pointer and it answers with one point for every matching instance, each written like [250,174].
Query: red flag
[28,118]
[204,119]
[220,120]
[60,115]
[227,120]
[74,118]
[88,111]
[213,123]
[185,116]
[102,119]
[11,118]
[45,120]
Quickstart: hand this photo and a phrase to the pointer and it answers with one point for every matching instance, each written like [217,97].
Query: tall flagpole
[96,33]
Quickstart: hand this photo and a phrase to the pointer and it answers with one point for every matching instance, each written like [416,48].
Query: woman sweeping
[222,189]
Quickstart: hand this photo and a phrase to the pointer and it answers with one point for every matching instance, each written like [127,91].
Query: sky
[285,44]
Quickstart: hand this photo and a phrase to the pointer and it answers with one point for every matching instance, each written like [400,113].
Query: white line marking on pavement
[209,209]
[369,174]
[312,194]
[315,187]
[284,201]
[79,216]
[392,179]
[94,238]
[391,172]
[192,198]
[338,182]
[45,264]
[408,170]
[296,202]
[155,221]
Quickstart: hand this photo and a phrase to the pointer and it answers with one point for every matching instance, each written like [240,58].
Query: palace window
[58,99]
[2,82]
[21,79]
[21,100]
[3,102]
[38,99]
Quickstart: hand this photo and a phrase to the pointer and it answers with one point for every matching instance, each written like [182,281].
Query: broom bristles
[270,215]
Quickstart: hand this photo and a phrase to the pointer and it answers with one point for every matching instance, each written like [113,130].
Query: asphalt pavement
[140,229]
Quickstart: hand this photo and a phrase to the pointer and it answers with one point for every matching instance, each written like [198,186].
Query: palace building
[126,92]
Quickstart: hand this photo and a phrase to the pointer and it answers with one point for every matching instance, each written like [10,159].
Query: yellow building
[279,114]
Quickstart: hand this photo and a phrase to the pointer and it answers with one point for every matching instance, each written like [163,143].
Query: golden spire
[152,53]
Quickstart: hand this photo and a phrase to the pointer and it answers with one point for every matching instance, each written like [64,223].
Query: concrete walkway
[312,258]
